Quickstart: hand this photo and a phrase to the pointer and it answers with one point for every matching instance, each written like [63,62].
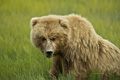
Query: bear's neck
[81,52]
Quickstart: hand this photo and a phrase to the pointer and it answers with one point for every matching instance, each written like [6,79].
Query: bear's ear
[64,23]
[34,21]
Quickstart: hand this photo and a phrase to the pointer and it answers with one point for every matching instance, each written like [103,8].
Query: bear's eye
[43,39]
[53,39]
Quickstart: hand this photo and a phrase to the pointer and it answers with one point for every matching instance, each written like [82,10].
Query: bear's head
[49,34]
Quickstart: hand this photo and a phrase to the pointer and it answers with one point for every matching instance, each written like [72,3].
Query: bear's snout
[49,53]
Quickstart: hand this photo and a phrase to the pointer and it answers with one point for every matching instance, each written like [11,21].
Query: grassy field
[19,60]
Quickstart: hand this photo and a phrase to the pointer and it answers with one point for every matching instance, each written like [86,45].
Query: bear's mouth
[48,55]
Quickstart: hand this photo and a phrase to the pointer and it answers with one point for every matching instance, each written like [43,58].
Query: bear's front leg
[56,67]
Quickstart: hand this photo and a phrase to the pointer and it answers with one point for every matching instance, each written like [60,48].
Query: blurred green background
[19,60]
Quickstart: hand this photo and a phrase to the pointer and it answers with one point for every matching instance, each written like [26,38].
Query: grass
[19,60]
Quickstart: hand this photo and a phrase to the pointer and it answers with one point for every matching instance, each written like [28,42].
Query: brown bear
[74,46]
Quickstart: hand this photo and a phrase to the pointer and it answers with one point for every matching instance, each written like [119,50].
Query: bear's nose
[49,52]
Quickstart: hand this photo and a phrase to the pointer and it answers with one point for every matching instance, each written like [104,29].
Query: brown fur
[77,49]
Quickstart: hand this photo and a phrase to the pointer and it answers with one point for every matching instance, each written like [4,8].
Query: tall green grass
[19,60]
